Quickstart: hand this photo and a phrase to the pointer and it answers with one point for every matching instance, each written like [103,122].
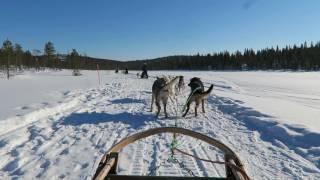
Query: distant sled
[107,168]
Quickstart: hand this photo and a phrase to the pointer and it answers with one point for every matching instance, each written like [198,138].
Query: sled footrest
[128,177]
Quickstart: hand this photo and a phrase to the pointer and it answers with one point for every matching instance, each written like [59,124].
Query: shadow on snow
[127,101]
[133,119]
[270,130]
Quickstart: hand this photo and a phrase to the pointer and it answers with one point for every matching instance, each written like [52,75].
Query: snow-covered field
[57,126]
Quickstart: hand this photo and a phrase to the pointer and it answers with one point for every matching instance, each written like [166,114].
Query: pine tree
[18,52]
[74,60]
[8,50]
[36,53]
[49,54]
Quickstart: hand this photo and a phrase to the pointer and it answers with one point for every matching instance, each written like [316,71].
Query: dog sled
[107,169]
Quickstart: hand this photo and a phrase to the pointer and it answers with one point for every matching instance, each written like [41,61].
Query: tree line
[297,57]
[303,57]
[13,58]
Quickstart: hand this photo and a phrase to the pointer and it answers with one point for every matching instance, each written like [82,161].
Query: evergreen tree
[49,54]
[18,52]
[36,53]
[28,60]
[7,48]
[74,60]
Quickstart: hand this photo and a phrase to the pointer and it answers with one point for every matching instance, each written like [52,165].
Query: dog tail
[207,92]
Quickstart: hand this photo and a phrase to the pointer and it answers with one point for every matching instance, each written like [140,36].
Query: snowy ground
[56,126]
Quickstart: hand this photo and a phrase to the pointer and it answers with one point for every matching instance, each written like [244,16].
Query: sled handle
[105,168]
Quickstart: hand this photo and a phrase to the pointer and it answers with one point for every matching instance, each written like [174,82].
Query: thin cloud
[249,3]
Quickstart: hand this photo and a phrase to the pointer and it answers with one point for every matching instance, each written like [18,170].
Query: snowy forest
[297,57]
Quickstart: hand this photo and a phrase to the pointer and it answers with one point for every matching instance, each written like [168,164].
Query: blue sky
[139,29]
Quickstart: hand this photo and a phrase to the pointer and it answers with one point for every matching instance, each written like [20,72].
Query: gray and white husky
[162,88]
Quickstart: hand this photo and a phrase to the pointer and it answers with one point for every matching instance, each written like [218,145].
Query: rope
[182,166]
[174,142]
[153,170]
[243,173]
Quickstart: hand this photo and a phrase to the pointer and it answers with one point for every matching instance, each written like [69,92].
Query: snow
[31,91]
[57,126]
[292,98]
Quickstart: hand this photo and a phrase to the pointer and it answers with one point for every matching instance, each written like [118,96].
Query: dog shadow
[167,118]
[134,120]
[128,101]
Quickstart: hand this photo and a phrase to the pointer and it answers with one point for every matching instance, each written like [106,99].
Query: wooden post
[98,74]
[8,66]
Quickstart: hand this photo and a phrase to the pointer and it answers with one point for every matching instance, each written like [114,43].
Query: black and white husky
[197,95]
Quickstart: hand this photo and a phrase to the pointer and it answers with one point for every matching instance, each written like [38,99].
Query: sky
[142,29]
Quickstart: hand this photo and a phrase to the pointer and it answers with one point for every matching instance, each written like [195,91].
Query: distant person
[126,71]
[144,73]
[117,69]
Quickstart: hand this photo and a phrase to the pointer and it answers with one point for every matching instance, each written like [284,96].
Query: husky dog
[197,94]
[162,88]
[177,87]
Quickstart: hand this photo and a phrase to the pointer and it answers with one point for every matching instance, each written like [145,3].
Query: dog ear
[194,79]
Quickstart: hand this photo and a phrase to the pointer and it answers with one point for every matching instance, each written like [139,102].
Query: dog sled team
[163,88]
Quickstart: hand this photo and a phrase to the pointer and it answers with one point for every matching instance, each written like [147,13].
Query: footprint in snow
[65,151]
[11,165]
[24,107]
[46,164]
[85,165]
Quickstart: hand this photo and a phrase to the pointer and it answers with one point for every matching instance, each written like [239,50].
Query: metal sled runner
[107,168]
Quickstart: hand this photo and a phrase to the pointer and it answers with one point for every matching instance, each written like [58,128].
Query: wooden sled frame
[108,164]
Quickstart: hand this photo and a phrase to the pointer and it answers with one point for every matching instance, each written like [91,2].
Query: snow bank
[30,91]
